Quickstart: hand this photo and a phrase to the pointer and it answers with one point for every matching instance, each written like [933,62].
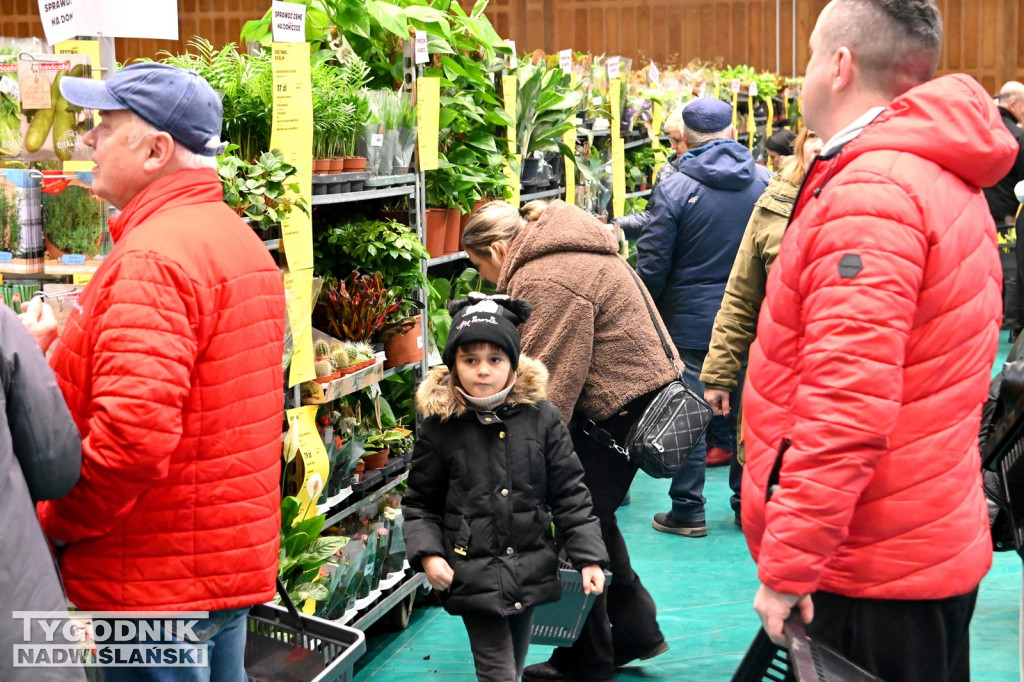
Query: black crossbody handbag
[672,424]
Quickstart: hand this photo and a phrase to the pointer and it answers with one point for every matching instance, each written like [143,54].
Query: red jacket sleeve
[145,345]
[850,366]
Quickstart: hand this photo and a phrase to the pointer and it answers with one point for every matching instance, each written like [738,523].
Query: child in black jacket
[492,458]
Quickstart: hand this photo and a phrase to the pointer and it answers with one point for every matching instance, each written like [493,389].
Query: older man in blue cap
[171,365]
[685,256]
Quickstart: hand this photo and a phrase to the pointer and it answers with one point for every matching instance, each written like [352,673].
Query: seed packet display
[51,128]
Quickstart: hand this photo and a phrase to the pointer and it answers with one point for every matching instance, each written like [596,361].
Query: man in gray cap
[684,258]
[171,366]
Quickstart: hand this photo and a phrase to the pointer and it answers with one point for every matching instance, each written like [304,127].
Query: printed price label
[9,87]
[752,90]
[613,67]
[376,140]
[599,100]
[513,60]
[565,60]
[420,53]
[734,85]
[35,92]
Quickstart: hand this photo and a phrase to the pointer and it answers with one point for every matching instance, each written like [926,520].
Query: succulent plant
[352,352]
[321,349]
[340,358]
[336,346]
[323,368]
[403,446]
[364,351]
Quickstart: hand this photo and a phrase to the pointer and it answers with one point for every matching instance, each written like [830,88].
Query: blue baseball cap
[175,101]
[707,115]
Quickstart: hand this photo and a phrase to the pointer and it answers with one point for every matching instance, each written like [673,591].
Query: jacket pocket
[457,534]
[773,476]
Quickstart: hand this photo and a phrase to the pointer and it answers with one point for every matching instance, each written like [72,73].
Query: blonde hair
[793,169]
[497,221]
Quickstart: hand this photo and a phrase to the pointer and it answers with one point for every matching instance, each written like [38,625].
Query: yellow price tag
[771,117]
[292,133]
[513,179]
[81,278]
[308,483]
[298,288]
[615,104]
[510,95]
[618,177]
[428,112]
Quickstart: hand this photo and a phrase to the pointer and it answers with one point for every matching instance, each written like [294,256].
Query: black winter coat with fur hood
[483,489]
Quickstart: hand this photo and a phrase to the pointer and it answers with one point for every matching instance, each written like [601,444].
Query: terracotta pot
[451,231]
[404,348]
[55,252]
[360,468]
[437,224]
[375,459]
[320,165]
[466,216]
[336,165]
[355,164]
[327,379]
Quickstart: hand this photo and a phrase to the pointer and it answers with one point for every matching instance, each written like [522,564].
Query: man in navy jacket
[684,258]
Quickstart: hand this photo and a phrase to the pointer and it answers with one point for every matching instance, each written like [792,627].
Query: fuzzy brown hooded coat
[484,488]
[589,325]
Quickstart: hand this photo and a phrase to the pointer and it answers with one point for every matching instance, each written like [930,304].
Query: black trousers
[499,644]
[898,640]
[623,621]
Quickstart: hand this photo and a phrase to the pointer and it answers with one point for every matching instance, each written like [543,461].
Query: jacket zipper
[657,441]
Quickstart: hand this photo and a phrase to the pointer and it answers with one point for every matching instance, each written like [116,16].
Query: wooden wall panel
[983,37]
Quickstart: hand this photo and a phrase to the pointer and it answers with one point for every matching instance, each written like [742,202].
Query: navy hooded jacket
[686,253]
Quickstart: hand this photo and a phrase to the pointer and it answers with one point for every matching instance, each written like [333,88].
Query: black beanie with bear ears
[486,319]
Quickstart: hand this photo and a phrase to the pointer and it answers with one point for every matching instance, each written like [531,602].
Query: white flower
[314,485]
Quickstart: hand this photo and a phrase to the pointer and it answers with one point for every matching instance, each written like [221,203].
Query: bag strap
[655,319]
[591,428]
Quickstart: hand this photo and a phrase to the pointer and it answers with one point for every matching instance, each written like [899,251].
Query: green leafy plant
[303,552]
[72,220]
[546,109]
[264,191]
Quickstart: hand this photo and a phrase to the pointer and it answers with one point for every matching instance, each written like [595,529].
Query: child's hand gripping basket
[559,623]
[283,645]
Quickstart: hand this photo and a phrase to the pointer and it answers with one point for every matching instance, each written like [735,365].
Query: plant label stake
[565,60]
[420,53]
[613,67]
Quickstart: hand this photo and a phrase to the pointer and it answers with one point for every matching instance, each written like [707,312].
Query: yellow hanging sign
[306,474]
[428,112]
[513,180]
[615,105]
[298,287]
[570,161]
[618,177]
[292,133]
[771,117]
[510,95]
[657,121]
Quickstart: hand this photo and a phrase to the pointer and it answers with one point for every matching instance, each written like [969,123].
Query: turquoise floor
[703,588]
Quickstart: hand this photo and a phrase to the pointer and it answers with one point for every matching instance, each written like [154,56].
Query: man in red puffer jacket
[874,351]
[171,365]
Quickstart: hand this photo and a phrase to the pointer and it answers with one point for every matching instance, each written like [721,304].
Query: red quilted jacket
[873,358]
[171,365]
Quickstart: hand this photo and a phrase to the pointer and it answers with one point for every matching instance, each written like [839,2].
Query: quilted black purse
[671,425]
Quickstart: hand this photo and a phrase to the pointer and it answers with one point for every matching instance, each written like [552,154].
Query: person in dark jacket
[633,224]
[492,467]
[685,256]
[40,459]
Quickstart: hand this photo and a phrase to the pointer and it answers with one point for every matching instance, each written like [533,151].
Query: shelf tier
[448,258]
[637,143]
[545,194]
[382,193]
[641,193]
[400,368]
[373,496]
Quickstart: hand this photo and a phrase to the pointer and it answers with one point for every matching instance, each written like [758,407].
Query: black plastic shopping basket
[1003,453]
[283,645]
[559,623]
[802,660]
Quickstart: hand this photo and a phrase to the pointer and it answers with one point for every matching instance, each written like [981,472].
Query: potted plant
[264,191]
[303,552]
[10,222]
[354,308]
[72,221]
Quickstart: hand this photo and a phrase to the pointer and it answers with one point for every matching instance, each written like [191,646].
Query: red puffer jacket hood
[873,355]
[171,365]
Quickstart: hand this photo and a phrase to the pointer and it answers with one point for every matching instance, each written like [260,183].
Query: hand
[718,399]
[40,322]
[775,607]
[439,573]
[593,579]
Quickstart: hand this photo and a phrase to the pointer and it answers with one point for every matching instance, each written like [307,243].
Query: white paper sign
[376,140]
[752,91]
[565,60]
[654,76]
[420,53]
[613,67]
[9,87]
[288,22]
[734,85]
[513,61]
[62,19]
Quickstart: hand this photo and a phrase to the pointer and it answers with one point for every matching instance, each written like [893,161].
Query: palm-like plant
[546,109]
